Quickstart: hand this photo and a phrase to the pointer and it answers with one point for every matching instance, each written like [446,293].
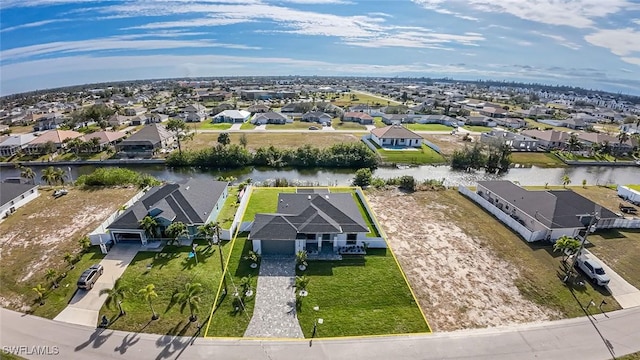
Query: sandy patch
[459,282]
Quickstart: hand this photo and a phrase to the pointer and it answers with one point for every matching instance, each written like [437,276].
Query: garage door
[275,247]
[128,237]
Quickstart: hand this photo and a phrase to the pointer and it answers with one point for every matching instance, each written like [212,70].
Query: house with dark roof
[146,142]
[316,222]
[516,142]
[317,117]
[548,214]
[13,196]
[194,203]
[395,136]
[270,118]
[258,108]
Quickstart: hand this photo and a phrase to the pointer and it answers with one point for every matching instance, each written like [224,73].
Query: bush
[363,177]
[116,177]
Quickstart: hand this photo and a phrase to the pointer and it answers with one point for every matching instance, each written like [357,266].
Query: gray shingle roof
[309,213]
[154,133]
[190,203]
[10,191]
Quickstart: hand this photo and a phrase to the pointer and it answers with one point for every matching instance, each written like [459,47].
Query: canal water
[594,175]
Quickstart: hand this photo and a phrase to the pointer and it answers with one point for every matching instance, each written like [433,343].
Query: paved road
[565,339]
[85,305]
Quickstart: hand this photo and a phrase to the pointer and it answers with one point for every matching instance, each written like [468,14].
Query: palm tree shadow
[96,338]
[127,343]
[173,343]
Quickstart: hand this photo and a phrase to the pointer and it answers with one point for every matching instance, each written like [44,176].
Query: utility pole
[219,241]
[592,222]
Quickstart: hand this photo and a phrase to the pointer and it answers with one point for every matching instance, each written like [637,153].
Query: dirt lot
[282,140]
[449,143]
[38,235]
[460,281]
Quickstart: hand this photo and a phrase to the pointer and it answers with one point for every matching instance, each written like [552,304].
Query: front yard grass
[247,126]
[620,250]
[359,296]
[226,215]
[226,321]
[475,128]
[348,125]
[421,156]
[540,276]
[170,270]
[537,159]
[295,125]
[429,127]
[208,125]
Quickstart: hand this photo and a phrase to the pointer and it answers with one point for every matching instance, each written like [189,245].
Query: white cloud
[435,5]
[631,60]
[574,13]
[561,40]
[621,42]
[190,23]
[314,2]
[33,24]
[113,44]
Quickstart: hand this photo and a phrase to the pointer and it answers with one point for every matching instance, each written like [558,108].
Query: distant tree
[566,180]
[623,137]
[48,148]
[362,177]
[407,182]
[243,140]
[178,127]
[224,139]
[573,143]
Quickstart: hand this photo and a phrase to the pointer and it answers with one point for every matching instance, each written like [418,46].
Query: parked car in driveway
[90,276]
[593,270]
[314,128]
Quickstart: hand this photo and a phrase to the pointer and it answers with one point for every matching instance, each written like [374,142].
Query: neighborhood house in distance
[194,203]
[318,222]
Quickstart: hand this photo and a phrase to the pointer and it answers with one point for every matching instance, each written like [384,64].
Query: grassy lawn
[264,200]
[225,218]
[226,321]
[474,128]
[347,125]
[296,125]
[359,296]
[365,215]
[537,159]
[170,270]
[360,98]
[634,356]
[634,187]
[429,127]
[247,126]
[619,249]
[424,155]
[377,121]
[36,237]
[282,140]
[21,129]
[57,299]
[542,126]
[540,277]
[208,125]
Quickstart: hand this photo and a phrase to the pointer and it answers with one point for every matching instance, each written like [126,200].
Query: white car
[593,270]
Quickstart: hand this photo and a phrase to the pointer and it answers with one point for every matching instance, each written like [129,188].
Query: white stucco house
[232,116]
[13,196]
[395,136]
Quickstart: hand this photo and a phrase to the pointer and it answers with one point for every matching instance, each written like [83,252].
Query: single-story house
[119,120]
[270,118]
[196,202]
[105,137]
[57,137]
[493,112]
[359,117]
[49,122]
[146,142]
[548,139]
[135,111]
[195,113]
[313,222]
[630,128]
[516,142]
[232,116]
[395,136]
[513,123]
[479,121]
[14,143]
[551,213]
[317,117]
[588,139]
[13,196]
[258,108]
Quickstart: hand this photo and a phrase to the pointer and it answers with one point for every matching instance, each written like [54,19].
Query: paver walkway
[85,305]
[274,314]
[625,294]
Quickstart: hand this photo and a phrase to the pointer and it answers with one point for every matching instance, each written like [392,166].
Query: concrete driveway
[625,294]
[235,126]
[84,307]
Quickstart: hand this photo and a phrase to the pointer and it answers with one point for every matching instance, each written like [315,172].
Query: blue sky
[588,43]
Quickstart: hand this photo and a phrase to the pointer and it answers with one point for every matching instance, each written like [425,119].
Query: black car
[90,276]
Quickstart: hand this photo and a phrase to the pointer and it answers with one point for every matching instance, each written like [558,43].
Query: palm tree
[52,274]
[568,245]
[149,224]
[566,180]
[573,143]
[177,126]
[94,144]
[68,258]
[177,230]
[189,297]
[148,293]
[115,295]
[208,230]
[40,291]
[60,176]
[623,137]
[49,176]
[28,173]
[85,243]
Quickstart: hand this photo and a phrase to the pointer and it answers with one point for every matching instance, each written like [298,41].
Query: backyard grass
[296,125]
[208,125]
[424,155]
[170,270]
[474,128]
[540,277]
[264,200]
[566,155]
[366,216]
[429,127]
[620,250]
[359,295]
[377,121]
[247,126]
[225,217]
[634,187]
[348,125]
[226,321]
[57,299]
[281,140]
[537,159]
[542,126]
[36,237]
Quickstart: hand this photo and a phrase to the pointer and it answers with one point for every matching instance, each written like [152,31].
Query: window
[351,239]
